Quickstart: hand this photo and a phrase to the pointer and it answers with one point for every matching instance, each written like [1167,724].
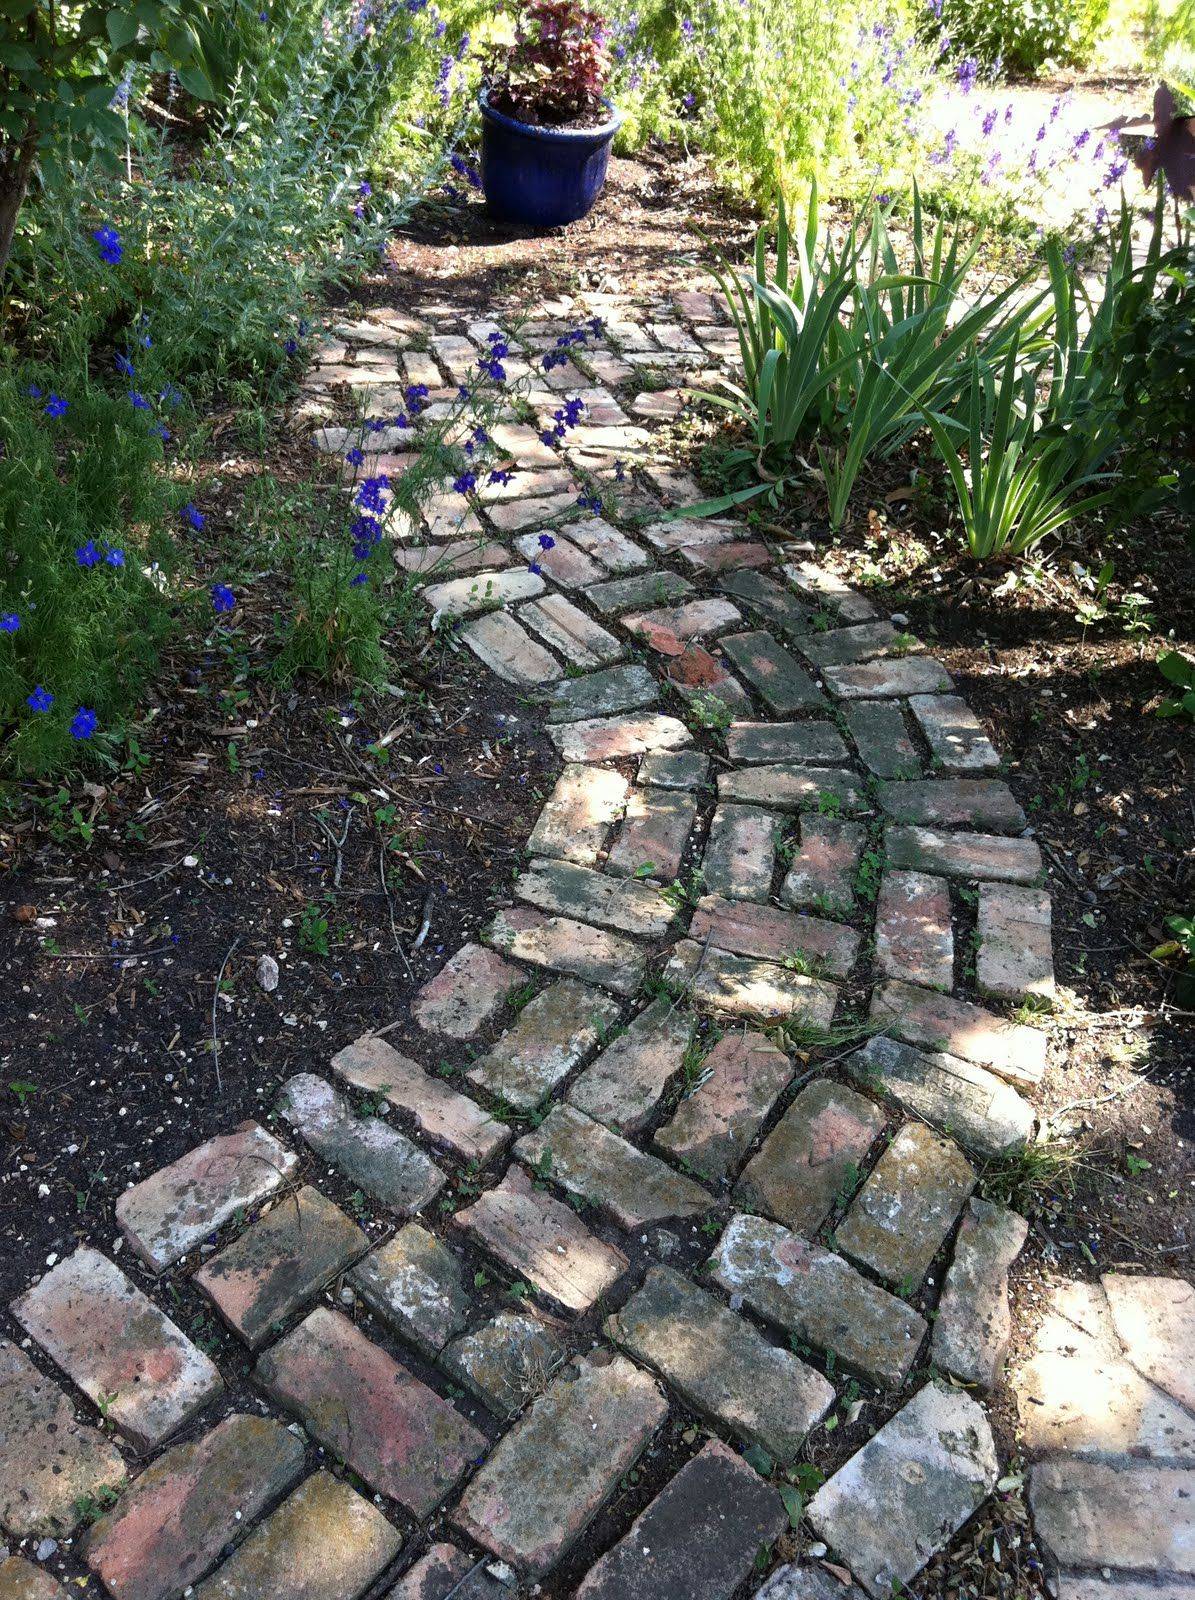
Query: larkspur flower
[355,456]
[589,502]
[466,482]
[55,406]
[83,723]
[371,496]
[291,346]
[40,700]
[534,568]
[123,365]
[620,471]
[193,517]
[33,392]
[162,432]
[87,555]
[9,622]
[114,557]
[500,475]
[546,542]
[967,74]
[365,188]
[358,579]
[223,598]
[138,401]
[111,249]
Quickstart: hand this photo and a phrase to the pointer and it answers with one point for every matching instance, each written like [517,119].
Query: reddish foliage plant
[556,70]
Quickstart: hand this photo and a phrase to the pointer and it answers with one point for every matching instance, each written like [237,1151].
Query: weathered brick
[51,1467]
[533,511]
[670,629]
[901,1216]
[868,641]
[414,1283]
[578,814]
[654,831]
[608,547]
[1154,1320]
[784,786]
[602,694]
[591,1163]
[776,676]
[367,1151]
[976,1107]
[737,555]
[674,769]
[982,856]
[174,1521]
[691,531]
[881,738]
[823,870]
[324,1543]
[641,589]
[566,628]
[828,592]
[739,1082]
[899,1499]
[507,1361]
[778,605]
[1128,1515]
[940,1022]
[552,1473]
[1016,956]
[623,1087]
[813,1582]
[703,681]
[21,1580]
[973,1327]
[114,1343]
[258,1281]
[884,680]
[740,854]
[454,559]
[812,1157]
[658,404]
[698,1539]
[954,733]
[913,934]
[437,1112]
[818,1298]
[953,803]
[626,904]
[802,743]
[370,1411]
[609,738]
[482,591]
[542,1241]
[563,562]
[554,1033]
[786,937]
[499,643]
[170,1213]
[715,980]
[593,954]
[466,994]
[446,1573]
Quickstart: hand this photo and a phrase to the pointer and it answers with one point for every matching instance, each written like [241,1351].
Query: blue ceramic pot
[542,176]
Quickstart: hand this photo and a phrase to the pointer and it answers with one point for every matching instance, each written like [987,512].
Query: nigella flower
[87,555]
[466,482]
[138,401]
[114,557]
[354,457]
[123,365]
[9,622]
[83,723]
[546,542]
[55,406]
[111,249]
[223,598]
[40,700]
[193,516]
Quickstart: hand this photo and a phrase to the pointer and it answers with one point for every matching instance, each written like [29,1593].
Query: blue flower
[466,481]
[223,598]
[9,622]
[123,365]
[114,558]
[87,555]
[546,542]
[83,723]
[111,249]
[55,406]
[40,700]
[358,579]
[365,188]
[371,496]
[534,568]
[589,502]
[139,402]
[354,457]
[194,517]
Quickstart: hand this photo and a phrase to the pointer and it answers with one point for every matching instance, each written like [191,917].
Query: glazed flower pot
[542,176]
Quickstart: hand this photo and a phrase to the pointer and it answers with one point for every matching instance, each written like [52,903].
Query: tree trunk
[16,164]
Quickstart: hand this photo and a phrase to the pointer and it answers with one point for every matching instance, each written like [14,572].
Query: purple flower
[83,723]
[40,700]
[87,555]
[9,622]
[466,482]
[968,73]
[358,579]
[55,406]
[223,598]
[354,457]
[138,401]
[365,188]
[534,568]
[123,365]
[193,517]
[111,249]
[546,542]
[371,496]
[114,558]
[589,502]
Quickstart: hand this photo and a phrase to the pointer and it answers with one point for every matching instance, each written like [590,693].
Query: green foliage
[1182,949]
[1023,36]
[1179,670]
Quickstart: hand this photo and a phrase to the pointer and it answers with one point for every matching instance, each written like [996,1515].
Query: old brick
[691,531]
[50,1466]
[899,1499]
[738,1083]
[776,604]
[1016,956]
[482,591]
[983,856]
[670,629]
[674,769]
[776,676]
[881,738]
[446,1573]
[457,557]
[868,641]
[884,680]
[913,934]
[641,589]
[578,814]
[822,874]
[554,1033]
[591,1163]
[375,1415]
[812,1157]
[974,1324]
[954,803]
[901,1216]
[608,547]
[533,511]
[602,694]
[802,743]
[542,1241]
[623,1087]
[784,786]
[172,1524]
[552,1473]
[438,1112]
[369,1153]
[818,1298]
[738,555]
[609,901]
[324,1543]
[698,1539]
[283,1259]
[741,986]
[21,1580]
[1119,1514]
[813,1582]
[499,643]
[976,1107]
[507,1361]
[954,733]
[786,937]
[651,840]
[740,854]
[592,954]
[828,592]
[563,562]
[114,1343]
[566,628]
[609,738]
[940,1022]
[1155,1323]
[413,1282]
[170,1213]
[466,994]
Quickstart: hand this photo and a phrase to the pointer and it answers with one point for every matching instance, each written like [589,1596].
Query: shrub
[1023,36]
[556,69]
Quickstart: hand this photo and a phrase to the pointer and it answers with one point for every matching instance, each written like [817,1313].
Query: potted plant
[547,127]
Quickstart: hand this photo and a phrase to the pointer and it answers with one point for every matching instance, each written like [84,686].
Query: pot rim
[557,135]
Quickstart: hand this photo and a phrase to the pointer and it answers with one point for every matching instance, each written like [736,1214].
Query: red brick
[466,994]
[740,1080]
[812,1157]
[438,1112]
[940,1022]
[913,934]
[765,931]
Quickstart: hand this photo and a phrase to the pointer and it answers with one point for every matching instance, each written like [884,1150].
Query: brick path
[719,1248]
